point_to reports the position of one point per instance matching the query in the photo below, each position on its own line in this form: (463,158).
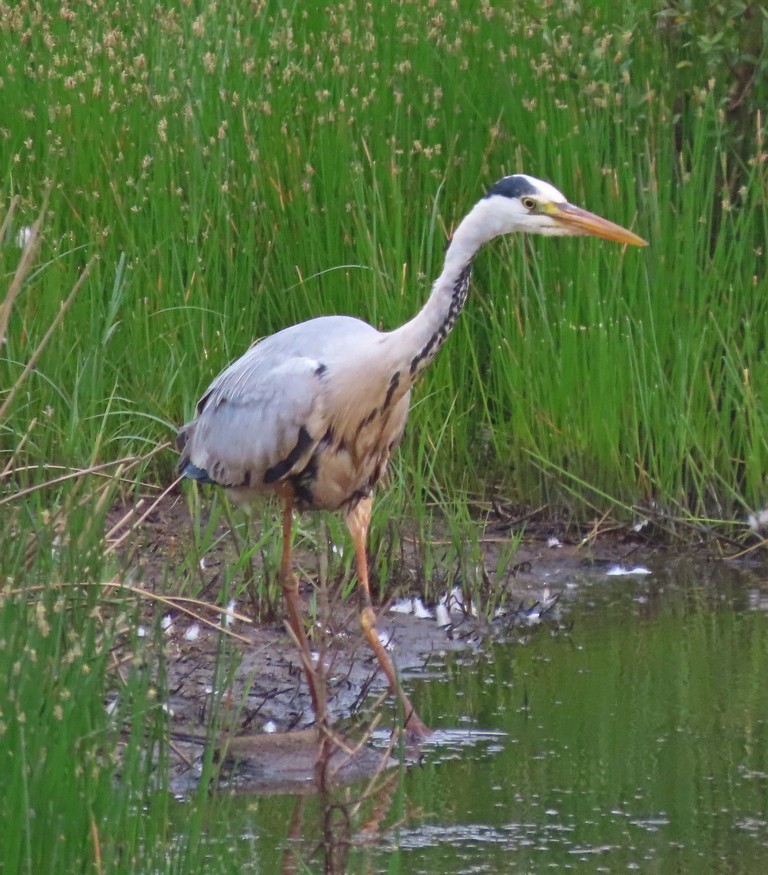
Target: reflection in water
(637,740)
(330,818)
(342,790)
(340,820)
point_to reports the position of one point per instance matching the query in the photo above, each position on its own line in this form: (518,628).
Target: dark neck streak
(430,348)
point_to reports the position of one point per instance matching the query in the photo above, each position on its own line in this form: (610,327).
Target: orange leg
(291,593)
(358,521)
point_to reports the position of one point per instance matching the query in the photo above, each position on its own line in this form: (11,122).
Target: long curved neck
(415,344)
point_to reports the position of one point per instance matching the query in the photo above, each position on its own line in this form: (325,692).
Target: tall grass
(210,173)
(251,168)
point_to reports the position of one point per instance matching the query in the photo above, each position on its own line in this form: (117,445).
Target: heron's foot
(416,730)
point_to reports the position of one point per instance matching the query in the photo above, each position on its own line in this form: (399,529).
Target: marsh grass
(201,176)
(309,163)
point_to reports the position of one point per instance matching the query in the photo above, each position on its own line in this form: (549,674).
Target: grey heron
(314,412)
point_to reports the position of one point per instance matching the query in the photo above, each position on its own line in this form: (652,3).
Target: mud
(249,674)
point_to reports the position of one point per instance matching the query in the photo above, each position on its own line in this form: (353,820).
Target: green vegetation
(206,173)
(238,170)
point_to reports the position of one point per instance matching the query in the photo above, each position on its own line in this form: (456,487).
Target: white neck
(413,346)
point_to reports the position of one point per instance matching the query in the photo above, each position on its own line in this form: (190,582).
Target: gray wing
(258,421)
(263,417)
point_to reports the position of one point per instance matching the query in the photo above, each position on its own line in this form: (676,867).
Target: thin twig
(115,544)
(33,359)
(80,472)
(9,216)
(20,446)
(178,603)
(124,519)
(27,258)
(97,858)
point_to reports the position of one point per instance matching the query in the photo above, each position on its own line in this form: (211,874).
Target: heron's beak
(580,221)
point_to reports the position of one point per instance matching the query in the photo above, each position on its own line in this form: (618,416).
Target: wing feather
(317,404)
(259,421)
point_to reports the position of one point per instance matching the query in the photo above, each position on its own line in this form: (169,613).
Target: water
(635,741)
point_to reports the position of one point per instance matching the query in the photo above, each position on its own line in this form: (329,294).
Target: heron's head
(522,203)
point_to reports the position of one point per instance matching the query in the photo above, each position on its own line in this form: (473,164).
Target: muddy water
(634,739)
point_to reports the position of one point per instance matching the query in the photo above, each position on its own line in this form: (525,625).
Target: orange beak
(580,221)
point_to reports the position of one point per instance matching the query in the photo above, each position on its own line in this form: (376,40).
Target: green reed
(260,166)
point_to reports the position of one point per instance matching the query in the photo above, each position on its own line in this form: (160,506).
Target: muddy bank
(251,672)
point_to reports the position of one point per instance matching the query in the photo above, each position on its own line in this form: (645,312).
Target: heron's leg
(358,521)
(290,587)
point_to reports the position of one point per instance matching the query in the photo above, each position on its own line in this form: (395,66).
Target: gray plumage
(302,409)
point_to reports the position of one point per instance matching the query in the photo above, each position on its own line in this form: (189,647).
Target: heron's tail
(186,465)
(193,472)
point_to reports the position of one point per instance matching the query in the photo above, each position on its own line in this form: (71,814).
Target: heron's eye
(529,203)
